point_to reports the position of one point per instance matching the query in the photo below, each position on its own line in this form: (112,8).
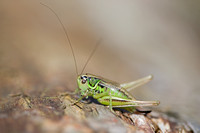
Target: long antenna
(66,34)
(97,44)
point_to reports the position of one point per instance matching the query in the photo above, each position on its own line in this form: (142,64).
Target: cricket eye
(83,81)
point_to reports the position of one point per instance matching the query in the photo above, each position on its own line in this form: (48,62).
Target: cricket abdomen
(115,91)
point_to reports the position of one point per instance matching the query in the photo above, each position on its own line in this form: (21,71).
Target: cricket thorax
(87,83)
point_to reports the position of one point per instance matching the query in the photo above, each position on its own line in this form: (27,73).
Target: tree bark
(23,113)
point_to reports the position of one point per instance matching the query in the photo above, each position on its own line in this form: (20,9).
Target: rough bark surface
(23,113)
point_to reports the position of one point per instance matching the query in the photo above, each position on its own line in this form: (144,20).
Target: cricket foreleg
(132,85)
(79,99)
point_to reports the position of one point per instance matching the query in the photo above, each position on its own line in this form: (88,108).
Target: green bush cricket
(107,92)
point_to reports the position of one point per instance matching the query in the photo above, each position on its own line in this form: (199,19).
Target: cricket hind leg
(123,103)
(132,85)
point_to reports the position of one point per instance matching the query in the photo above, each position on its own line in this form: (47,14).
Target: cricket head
(82,83)
(87,83)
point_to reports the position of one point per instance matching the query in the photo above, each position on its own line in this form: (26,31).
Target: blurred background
(139,38)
